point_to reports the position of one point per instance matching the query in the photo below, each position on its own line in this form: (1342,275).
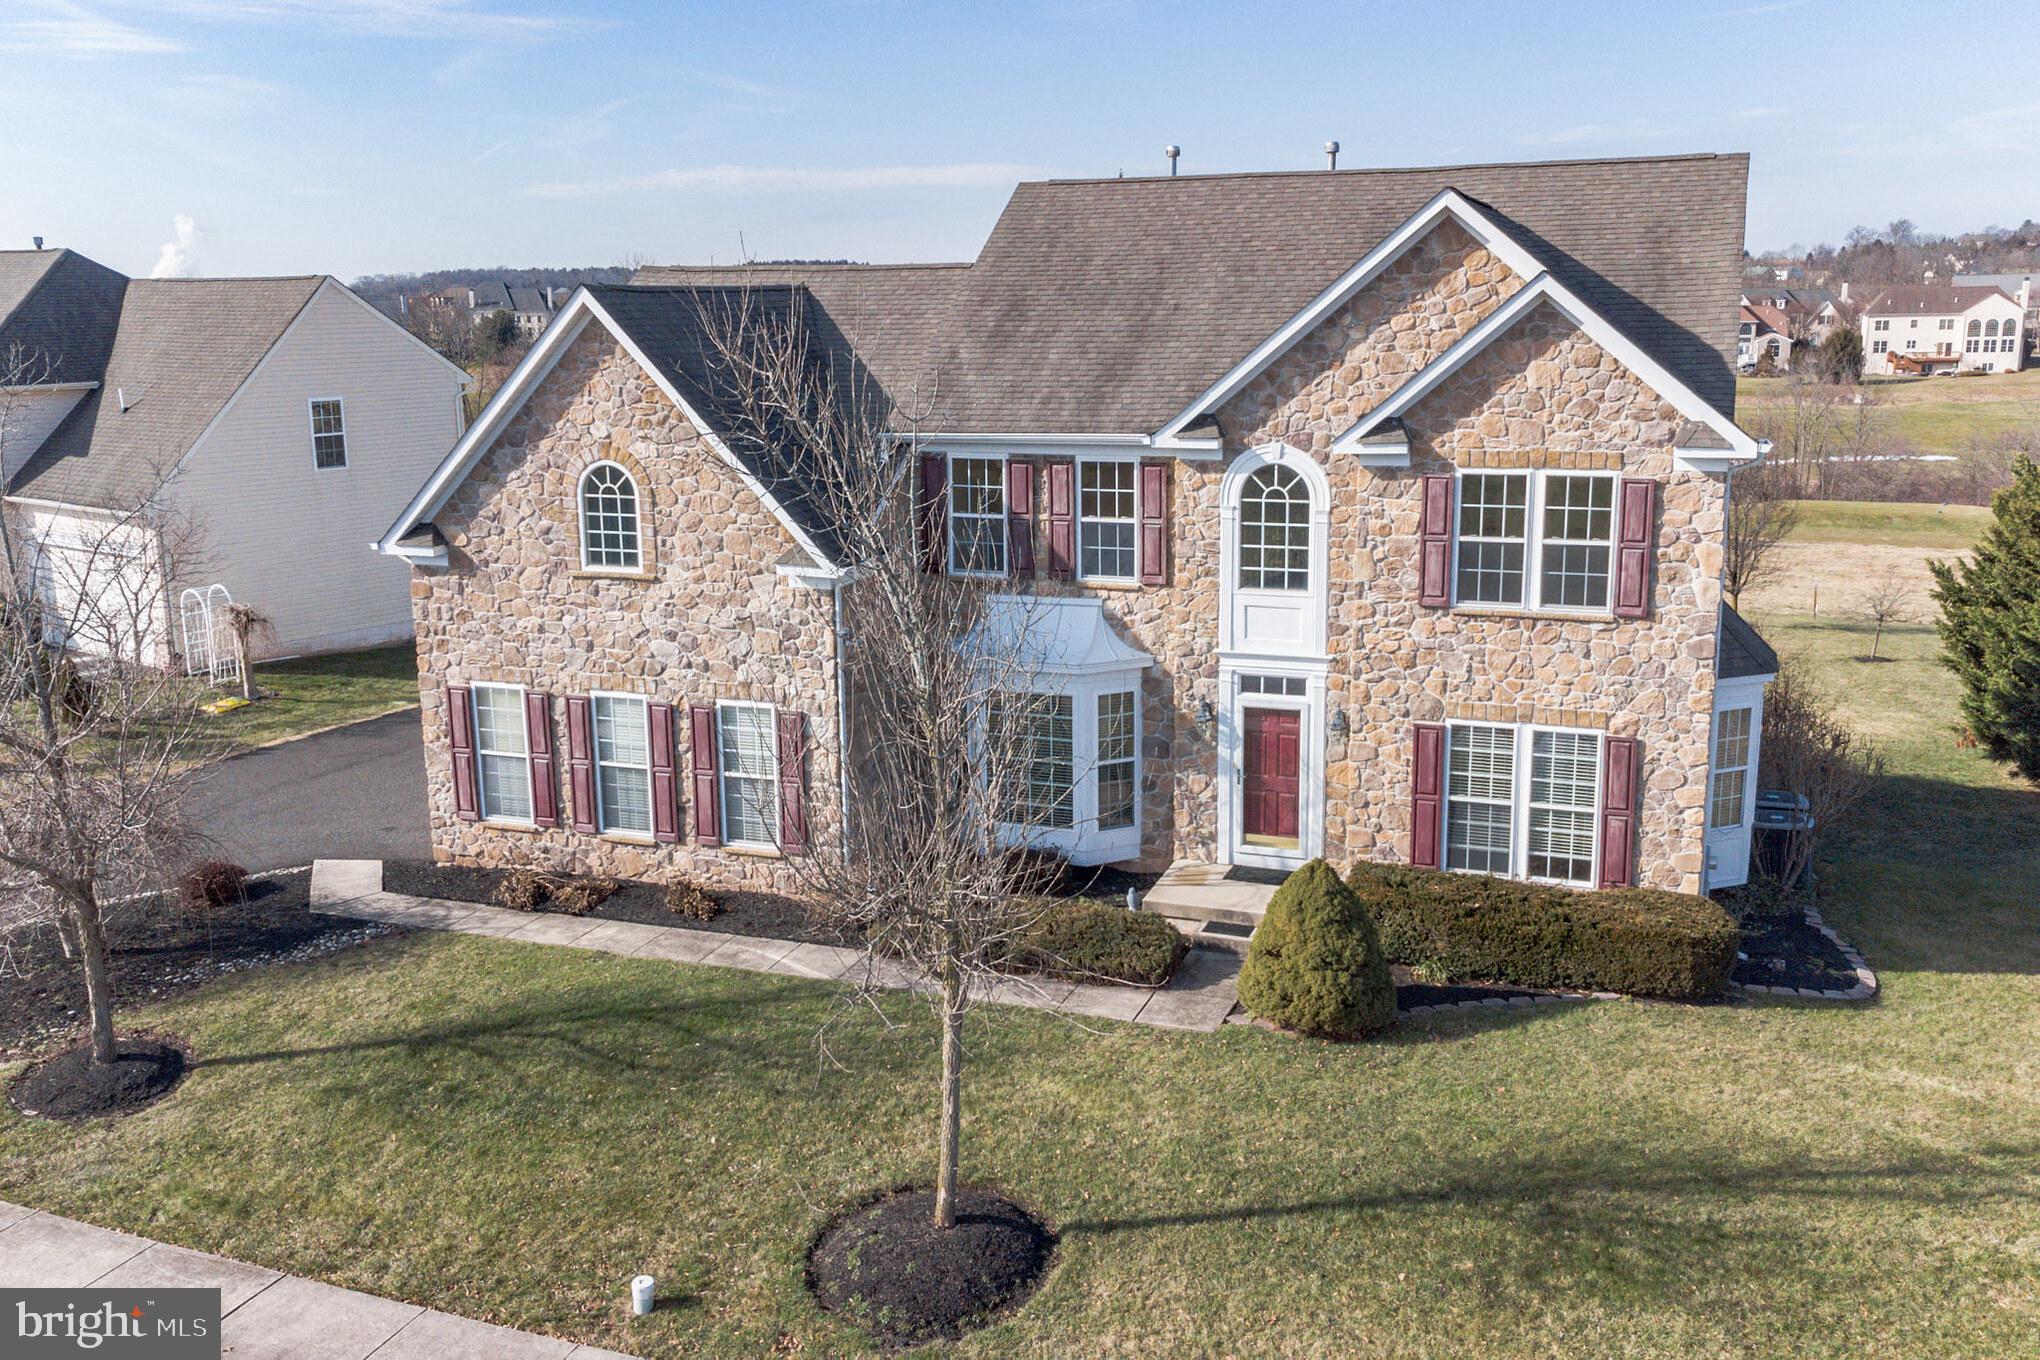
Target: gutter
(842,727)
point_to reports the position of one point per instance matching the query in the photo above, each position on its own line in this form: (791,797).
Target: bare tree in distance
(1889,602)
(952,744)
(1761,516)
(1819,429)
(98,738)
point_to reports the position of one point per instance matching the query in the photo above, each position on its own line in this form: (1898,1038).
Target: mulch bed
(743,912)
(71,1086)
(1410,992)
(1787,951)
(156,950)
(886,1267)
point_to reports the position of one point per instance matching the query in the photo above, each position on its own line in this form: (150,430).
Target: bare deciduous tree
(1819,429)
(953,747)
(247,623)
(1889,602)
(1761,515)
(98,738)
(1808,750)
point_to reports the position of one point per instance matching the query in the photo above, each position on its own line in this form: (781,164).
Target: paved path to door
(1199,997)
(267,1315)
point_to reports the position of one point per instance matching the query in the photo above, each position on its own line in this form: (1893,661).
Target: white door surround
(1235,698)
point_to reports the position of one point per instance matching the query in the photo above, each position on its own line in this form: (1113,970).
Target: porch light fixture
(1206,714)
(1339,728)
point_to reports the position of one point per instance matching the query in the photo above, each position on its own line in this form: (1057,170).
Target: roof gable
(58,311)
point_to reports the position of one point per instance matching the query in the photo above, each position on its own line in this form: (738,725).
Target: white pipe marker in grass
(641,1295)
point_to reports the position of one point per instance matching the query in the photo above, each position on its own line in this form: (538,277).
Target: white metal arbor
(210,647)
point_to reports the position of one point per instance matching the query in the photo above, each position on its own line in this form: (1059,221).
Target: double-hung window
(1540,540)
(1726,794)
(747,745)
(329,434)
(977,516)
(1034,750)
(502,753)
(623,764)
(1106,524)
(1116,766)
(1523,802)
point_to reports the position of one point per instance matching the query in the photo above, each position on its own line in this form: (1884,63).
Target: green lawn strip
(1893,523)
(323,691)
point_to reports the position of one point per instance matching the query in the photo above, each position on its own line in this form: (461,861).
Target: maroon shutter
(581,762)
(1435,563)
(1020,514)
(665,774)
(1636,526)
(1427,794)
(933,517)
(1062,519)
(1154,524)
(460,730)
(701,755)
(1619,779)
(793,828)
(545,777)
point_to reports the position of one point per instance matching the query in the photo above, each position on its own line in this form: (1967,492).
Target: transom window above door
(1275,531)
(1542,540)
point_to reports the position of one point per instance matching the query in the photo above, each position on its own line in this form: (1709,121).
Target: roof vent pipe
(120,395)
(1331,155)
(38,243)
(1172,152)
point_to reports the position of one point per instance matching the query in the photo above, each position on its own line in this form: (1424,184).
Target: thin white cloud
(1763,111)
(1590,132)
(1753,11)
(461,19)
(753,179)
(2013,128)
(222,96)
(173,261)
(73,30)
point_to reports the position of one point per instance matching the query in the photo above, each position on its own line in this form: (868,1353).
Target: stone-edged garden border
(1519,999)
(1866,981)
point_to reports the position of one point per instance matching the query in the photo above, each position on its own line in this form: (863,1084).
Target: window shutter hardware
(1062,519)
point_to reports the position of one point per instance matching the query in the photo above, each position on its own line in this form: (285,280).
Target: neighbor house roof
(1929,299)
(183,348)
(1765,315)
(490,296)
(528,300)
(58,311)
(1743,651)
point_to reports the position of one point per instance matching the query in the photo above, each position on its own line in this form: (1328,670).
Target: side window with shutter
(1635,534)
(702,774)
(1427,794)
(1434,561)
(460,731)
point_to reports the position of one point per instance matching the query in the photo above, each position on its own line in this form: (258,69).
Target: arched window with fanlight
(1275,515)
(1990,328)
(1975,326)
(610,539)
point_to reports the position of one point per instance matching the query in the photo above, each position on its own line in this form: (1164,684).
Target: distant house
(2023,288)
(532,310)
(1939,328)
(1763,332)
(285,419)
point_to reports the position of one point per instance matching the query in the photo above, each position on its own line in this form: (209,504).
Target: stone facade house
(1373,514)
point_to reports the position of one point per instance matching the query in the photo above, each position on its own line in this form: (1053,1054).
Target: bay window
(1116,759)
(1523,802)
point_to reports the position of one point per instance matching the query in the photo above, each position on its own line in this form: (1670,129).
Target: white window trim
(1519,807)
(1083,841)
(596,763)
(1077,510)
(1236,606)
(1716,769)
(637,494)
(1533,542)
(949,515)
(312,405)
(481,784)
(722,774)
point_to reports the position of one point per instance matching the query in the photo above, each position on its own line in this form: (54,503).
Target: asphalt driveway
(356,792)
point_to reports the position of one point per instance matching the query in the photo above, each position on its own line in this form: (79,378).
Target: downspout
(843,727)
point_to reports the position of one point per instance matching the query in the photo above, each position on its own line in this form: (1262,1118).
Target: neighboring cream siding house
(262,428)
(1930,328)
(257,466)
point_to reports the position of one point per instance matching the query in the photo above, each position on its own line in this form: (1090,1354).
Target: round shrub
(1315,964)
(685,897)
(209,884)
(1088,941)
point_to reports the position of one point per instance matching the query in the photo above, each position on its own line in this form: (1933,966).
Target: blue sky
(356,136)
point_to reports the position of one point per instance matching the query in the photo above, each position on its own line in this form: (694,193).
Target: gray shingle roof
(60,310)
(184,346)
(1743,649)
(528,300)
(1929,299)
(491,296)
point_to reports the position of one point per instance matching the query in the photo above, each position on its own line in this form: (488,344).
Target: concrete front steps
(1206,905)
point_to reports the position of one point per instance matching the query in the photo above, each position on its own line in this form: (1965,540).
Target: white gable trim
(1738,446)
(523,381)
(1449,203)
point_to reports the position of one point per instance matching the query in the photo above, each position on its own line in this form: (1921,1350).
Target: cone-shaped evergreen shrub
(1990,625)
(1314,963)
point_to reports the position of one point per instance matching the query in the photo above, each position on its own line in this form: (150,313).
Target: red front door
(1270,781)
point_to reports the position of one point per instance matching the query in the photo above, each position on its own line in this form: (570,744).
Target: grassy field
(1935,415)
(1888,523)
(510,1132)
(322,691)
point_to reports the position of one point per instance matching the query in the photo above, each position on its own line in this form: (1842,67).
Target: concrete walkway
(267,1315)
(1199,997)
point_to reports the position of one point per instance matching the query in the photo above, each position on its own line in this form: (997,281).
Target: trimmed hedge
(1315,964)
(1635,940)
(1085,942)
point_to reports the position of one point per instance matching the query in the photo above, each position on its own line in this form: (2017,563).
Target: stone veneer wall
(708,619)
(1542,396)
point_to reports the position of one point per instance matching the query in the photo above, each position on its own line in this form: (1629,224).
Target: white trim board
(1448,203)
(1740,446)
